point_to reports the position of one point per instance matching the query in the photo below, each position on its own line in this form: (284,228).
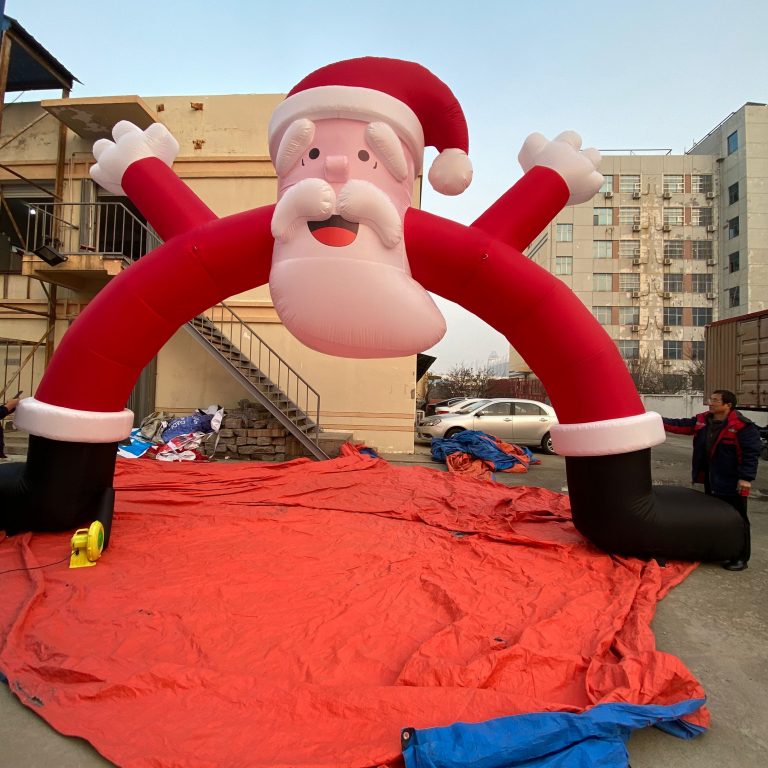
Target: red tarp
(302,614)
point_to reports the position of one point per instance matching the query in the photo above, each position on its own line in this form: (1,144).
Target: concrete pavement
(716,622)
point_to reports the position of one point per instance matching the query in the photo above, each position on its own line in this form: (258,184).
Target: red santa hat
(420,107)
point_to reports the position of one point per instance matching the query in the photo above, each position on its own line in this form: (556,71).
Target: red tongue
(334,236)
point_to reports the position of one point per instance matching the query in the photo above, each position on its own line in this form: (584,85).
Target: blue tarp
(184,425)
(479,445)
(593,739)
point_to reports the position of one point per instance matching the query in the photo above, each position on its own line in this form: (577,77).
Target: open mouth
(336,231)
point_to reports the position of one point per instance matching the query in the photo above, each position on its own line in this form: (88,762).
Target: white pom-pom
(451,172)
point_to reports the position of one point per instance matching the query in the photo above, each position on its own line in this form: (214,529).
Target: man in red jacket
(726,450)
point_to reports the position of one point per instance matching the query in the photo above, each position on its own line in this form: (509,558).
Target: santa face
(340,279)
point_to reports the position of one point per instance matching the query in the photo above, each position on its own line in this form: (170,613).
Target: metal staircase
(266,376)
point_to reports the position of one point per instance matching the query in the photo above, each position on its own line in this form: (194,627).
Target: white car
(524,422)
(453,407)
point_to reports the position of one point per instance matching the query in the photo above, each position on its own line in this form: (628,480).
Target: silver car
(525,422)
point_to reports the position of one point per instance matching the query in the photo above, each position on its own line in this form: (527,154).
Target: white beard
(355,301)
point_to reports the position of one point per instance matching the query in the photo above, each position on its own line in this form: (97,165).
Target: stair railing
(269,363)
(13,381)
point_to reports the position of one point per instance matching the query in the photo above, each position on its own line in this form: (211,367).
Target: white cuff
(603,438)
(69,425)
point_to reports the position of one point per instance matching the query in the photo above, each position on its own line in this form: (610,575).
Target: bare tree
(651,379)
(695,374)
(463,381)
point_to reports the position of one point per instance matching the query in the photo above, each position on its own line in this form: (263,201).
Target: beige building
(670,242)
(224,159)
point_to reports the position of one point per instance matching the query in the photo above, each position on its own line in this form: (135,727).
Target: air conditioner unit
(634,328)
(636,194)
(667,195)
(666,363)
(666,228)
(636,262)
(711,228)
(666,295)
(710,195)
(711,262)
(711,295)
(635,227)
(667,262)
(665,329)
(635,294)
(608,193)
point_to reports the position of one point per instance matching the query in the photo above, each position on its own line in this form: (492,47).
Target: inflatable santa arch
(343,242)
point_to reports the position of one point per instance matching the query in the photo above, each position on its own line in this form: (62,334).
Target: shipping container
(737,359)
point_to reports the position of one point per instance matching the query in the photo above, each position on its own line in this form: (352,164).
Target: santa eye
(314,153)
(363,155)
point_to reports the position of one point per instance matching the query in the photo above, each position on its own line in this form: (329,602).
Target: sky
(651,74)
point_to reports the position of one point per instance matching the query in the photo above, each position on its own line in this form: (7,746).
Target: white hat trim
(344,101)
(602,438)
(70,425)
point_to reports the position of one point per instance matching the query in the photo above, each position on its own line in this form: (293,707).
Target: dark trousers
(739,503)
(2,439)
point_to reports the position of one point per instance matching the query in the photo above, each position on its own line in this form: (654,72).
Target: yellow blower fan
(87,544)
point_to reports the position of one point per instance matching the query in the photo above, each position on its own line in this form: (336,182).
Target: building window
(673,217)
(701,283)
(733,142)
(607,184)
(673,249)
(673,350)
(673,183)
(697,350)
(565,233)
(673,282)
(733,228)
(602,281)
(602,315)
(733,297)
(602,216)
(602,249)
(701,217)
(629,349)
(629,183)
(629,315)
(563,265)
(629,249)
(629,281)
(701,183)
(733,193)
(701,249)
(700,316)
(733,261)
(673,315)
(629,215)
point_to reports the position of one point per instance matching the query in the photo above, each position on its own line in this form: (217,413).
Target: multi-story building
(670,242)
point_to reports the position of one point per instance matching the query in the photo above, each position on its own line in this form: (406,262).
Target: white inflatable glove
(130,144)
(578,168)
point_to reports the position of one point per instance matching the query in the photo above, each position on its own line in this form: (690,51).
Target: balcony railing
(108,229)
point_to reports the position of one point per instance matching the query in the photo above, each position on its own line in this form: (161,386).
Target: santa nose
(336,168)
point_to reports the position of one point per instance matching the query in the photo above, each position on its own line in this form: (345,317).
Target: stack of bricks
(250,432)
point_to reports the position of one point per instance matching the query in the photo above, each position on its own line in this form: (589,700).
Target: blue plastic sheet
(480,446)
(185,425)
(596,738)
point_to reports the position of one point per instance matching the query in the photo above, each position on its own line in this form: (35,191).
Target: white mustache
(309,200)
(315,200)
